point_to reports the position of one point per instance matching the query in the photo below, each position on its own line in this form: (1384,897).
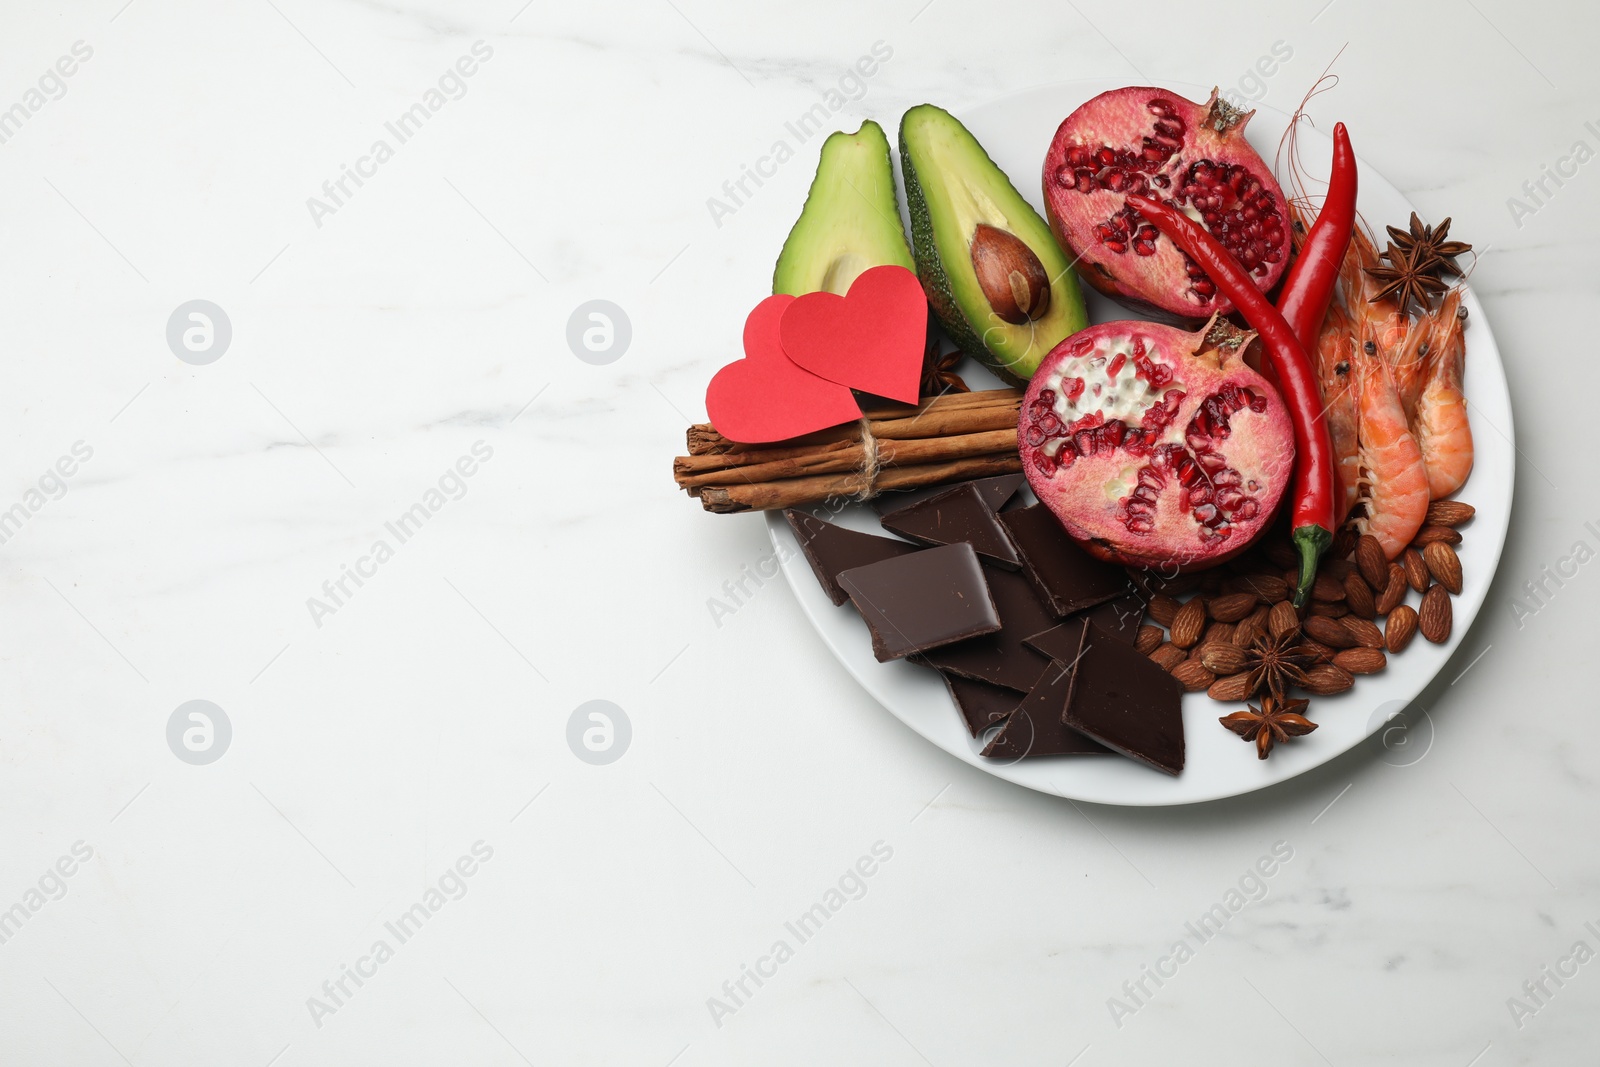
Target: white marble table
(399,770)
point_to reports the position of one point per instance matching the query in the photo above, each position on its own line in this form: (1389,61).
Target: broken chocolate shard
(959,515)
(923,601)
(996,492)
(1120,618)
(1127,702)
(981,705)
(1035,727)
(1067,577)
(1000,658)
(831,549)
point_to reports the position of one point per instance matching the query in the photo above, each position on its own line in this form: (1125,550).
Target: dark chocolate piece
(1001,659)
(919,602)
(995,491)
(1067,578)
(831,549)
(1120,618)
(981,705)
(955,516)
(1035,727)
(1126,701)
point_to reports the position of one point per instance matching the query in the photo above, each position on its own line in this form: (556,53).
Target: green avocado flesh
(851,220)
(952,186)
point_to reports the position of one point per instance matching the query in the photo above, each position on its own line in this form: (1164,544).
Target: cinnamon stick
(798,492)
(834,458)
(951,413)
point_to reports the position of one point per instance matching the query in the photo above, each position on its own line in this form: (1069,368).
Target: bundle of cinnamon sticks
(945,438)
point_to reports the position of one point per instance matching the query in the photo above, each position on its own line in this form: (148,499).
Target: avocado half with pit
(994,275)
(850,221)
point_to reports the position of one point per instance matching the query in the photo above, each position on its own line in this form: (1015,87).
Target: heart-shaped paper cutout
(764,396)
(870,339)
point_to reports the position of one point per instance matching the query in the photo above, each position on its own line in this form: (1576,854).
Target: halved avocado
(953,190)
(851,220)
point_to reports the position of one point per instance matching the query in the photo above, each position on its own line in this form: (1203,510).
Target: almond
(1330,632)
(1365,631)
(1394,593)
(1361,660)
(1444,565)
(1013,280)
(1282,619)
(1399,628)
(1280,553)
(1325,680)
(1449,513)
(1321,652)
(1188,623)
(1340,569)
(1233,688)
(1168,656)
(1416,570)
(1217,633)
(1343,543)
(1358,597)
(1327,588)
(1429,535)
(1148,639)
(1374,565)
(1231,607)
(1251,627)
(1225,659)
(1329,609)
(1269,588)
(1162,608)
(1192,676)
(1434,618)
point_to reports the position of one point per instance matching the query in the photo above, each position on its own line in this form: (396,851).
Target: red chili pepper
(1309,288)
(1312,517)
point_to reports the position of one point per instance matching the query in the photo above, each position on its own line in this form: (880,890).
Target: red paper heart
(765,397)
(871,339)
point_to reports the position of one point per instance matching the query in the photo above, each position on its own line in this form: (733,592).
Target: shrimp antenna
(1289,144)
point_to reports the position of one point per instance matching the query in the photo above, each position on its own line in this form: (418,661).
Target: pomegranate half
(1155,447)
(1151,142)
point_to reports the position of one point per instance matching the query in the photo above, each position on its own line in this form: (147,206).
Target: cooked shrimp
(1394,481)
(1440,423)
(1335,374)
(1409,361)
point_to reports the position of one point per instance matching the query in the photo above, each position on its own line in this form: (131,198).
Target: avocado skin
(878,238)
(930,269)
(1064,291)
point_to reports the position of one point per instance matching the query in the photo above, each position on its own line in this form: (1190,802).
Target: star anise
(1406,279)
(1274,722)
(1276,663)
(1427,247)
(938,372)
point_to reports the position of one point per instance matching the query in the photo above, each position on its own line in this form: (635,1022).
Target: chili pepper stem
(1312,541)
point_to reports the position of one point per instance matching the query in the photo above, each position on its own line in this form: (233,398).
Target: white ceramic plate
(1017,130)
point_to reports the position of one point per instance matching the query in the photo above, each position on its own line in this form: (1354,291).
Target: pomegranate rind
(1159,283)
(1143,502)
